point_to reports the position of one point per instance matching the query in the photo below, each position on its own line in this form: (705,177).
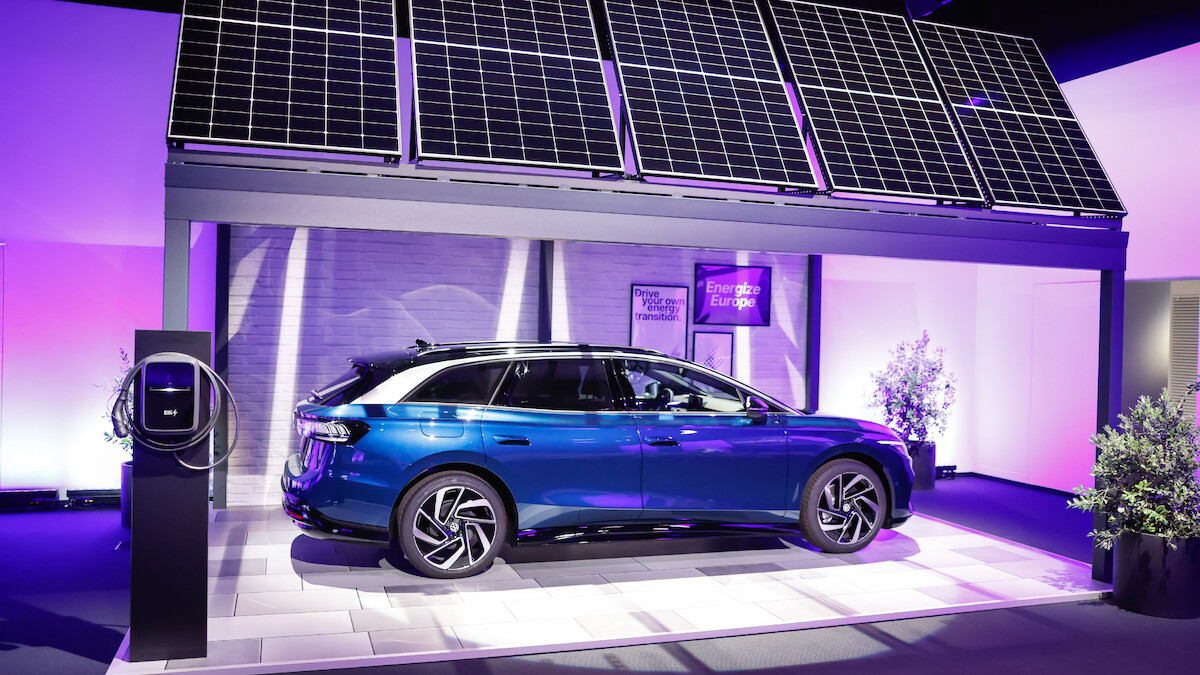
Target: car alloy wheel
(451,525)
(843,506)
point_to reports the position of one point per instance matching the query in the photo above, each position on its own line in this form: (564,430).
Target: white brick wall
(367,291)
(597,285)
(363,292)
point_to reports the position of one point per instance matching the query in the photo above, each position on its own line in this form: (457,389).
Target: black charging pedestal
(168,603)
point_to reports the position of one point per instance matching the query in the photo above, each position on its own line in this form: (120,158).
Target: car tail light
(329,431)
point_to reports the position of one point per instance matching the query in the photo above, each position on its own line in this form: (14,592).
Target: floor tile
(565,587)
(735,616)
(1019,589)
(316,647)
(762,592)
(221,604)
(373,598)
(545,570)
(565,608)
(275,625)
(255,583)
(272,537)
(653,600)
(224,653)
(994,554)
(633,624)
(414,640)
(888,602)
(895,581)
(556,631)
(398,618)
(360,579)
(720,571)
(287,564)
(976,573)
(293,602)
(806,610)
(237,567)
(961,595)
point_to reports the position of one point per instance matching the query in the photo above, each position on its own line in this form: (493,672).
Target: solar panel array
(522,82)
(877,121)
(315,74)
(1031,150)
(512,81)
(703,94)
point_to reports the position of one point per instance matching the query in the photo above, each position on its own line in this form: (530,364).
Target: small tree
(114,389)
(1146,474)
(914,390)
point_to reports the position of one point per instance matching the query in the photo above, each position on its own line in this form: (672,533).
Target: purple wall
(86,91)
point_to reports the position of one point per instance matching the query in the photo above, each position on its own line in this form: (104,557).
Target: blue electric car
(449,451)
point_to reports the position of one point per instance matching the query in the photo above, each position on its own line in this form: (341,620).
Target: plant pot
(1154,579)
(924,459)
(126,488)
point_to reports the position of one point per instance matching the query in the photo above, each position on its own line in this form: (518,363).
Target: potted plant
(915,393)
(126,444)
(1147,487)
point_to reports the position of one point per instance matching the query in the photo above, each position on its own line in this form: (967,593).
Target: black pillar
(545,290)
(1108,387)
(168,595)
(812,342)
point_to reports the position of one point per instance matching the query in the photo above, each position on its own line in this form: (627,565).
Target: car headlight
(900,447)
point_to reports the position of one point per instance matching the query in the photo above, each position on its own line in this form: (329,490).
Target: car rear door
(556,437)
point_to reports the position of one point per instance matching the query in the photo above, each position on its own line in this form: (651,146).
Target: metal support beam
(812,343)
(220,475)
(1108,386)
(545,290)
(177,244)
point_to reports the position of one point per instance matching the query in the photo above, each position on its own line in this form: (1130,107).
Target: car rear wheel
(843,506)
(451,525)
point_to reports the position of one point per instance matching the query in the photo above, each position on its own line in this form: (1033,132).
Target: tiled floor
(278,599)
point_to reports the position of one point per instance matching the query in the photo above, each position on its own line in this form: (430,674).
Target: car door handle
(661,441)
(511,440)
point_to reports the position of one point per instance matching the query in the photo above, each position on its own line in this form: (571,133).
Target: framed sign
(658,318)
(731,295)
(713,350)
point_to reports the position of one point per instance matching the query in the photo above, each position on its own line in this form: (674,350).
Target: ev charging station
(172,426)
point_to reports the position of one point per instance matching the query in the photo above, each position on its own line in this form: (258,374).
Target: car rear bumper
(319,526)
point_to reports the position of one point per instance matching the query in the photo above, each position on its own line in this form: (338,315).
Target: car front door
(704,455)
(557,438)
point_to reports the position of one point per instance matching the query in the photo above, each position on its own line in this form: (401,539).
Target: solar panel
(878,123)
(1030,148)
(703,94)
(511,81)
(304,74)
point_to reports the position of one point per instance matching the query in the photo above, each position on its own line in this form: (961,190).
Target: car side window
(669,387)
(470,384)
(561,384)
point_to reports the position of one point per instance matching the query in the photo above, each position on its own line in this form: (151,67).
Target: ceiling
(1077,37)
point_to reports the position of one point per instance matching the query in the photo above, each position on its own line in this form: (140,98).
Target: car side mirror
(757,409)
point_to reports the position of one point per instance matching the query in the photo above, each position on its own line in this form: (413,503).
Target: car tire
(451,525)
(843,506)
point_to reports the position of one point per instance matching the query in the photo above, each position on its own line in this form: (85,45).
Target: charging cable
(123,428)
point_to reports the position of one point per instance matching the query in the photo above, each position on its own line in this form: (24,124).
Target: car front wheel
(843,506)
(451,525)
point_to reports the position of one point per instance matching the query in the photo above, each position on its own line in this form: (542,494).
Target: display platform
(280,601)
